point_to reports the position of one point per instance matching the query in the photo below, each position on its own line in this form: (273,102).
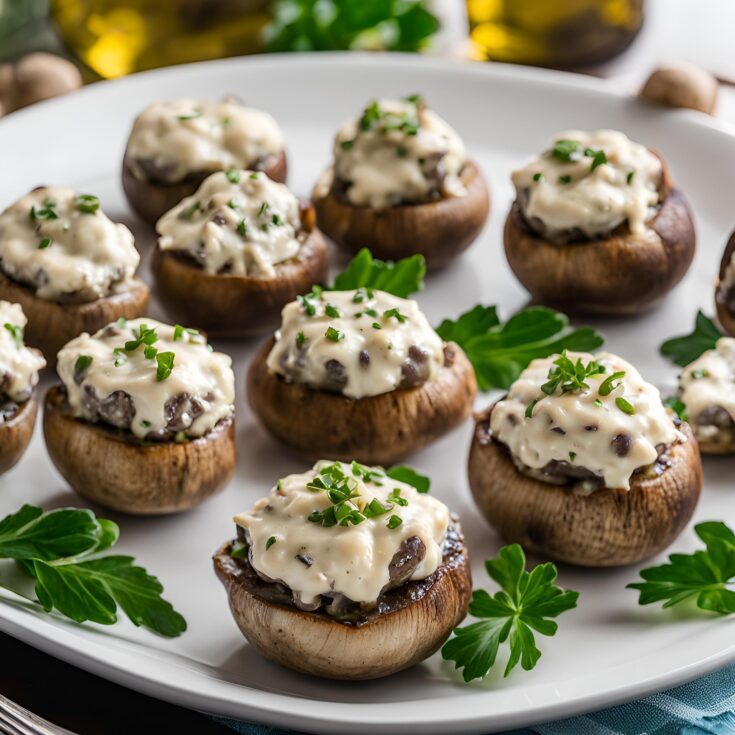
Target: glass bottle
(118,37)
(558,33)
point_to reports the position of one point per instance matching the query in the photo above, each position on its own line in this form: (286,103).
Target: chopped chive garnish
(16,332)
(87,203)
(334,334)
(165,363)
(624,406)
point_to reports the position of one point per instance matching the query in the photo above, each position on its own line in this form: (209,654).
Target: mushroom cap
(681,84)
(726,319)
(114,469)
(51,324)
(227,305)
(440,230)
(723,446)
(39,76)
(608,527)
(314,643)
(151,200)
(624,273)
(16,433)
(373,430)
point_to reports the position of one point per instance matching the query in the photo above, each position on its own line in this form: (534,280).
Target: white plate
(607,650)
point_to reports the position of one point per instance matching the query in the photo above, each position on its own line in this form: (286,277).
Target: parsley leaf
(401,278)
(499,351)
(706,575)
(402,473)
(60,549)
(687,348)
(92,590)
(524,603)
(392,25)
(16,332)
(677,406)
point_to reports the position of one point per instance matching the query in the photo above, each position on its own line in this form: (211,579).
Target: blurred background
(104,39)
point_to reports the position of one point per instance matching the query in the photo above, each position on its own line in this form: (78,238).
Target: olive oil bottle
(118,37)
(558,33)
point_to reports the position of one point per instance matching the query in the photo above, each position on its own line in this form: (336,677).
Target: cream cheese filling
(707,389)
(353,560)
(175,138)
(62,244)
(612,434)
(590,182)
(359,343)
(120,359)
(238,222)
(19,365)
(397,152)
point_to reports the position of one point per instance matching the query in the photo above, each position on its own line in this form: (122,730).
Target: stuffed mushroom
(359,374)
(19,366)
(707,390)
(143,421)
(597,227)
(401,183)
(233,254)
(175,145)
(725,288)
(581,462)
(344,573)
(68,265)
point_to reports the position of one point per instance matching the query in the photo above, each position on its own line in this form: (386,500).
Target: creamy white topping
(50,240)
(238,221)
(19,365)
(396,152)
(585,194)
(197,393)
(358,343)
(707,389)
(602,433)
(173,139)
(352,560)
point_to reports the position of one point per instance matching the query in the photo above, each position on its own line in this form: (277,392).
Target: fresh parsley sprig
(348,508)
(707,575)
(687,348)
(677,406)
(525,602)
(570,376)
(400,278)
(499,351)
(391,25)
(60,550)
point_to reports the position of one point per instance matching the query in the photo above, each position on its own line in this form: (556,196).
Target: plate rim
(50,638)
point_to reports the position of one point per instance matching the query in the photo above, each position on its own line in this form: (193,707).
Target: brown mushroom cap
(439,230)
(151,199)
(723,445)
(112,468)
(51,324)
(373,430)
(725,317)
(608,527)
(16,433)
(624,273)
(314,643)
(236,306)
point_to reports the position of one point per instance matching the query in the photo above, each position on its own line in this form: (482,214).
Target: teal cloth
(701,707)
